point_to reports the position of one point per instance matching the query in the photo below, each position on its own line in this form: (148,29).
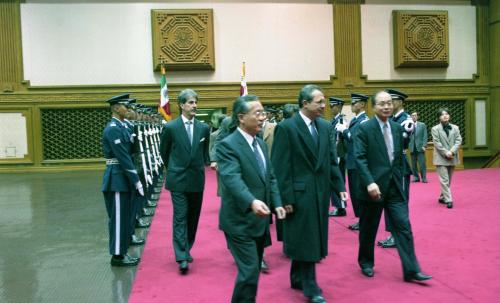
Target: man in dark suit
(358,105)
(307,173)
(379,158)
(249,191)
(184,150)
(340,149)
(418,142)
(120,182)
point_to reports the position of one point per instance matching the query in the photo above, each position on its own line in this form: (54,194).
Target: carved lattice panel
(421,38)
(73,133)
(183,39)
(427,113)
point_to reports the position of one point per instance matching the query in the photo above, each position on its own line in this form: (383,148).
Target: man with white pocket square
(184,150)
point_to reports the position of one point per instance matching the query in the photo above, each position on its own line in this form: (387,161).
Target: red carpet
(460,247)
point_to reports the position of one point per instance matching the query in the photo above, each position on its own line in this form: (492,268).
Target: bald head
(382,105)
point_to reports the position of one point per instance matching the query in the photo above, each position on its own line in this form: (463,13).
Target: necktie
(388,143)
(188,129)
(258,157)
(314,132)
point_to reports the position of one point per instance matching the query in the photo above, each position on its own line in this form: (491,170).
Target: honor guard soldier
(358,106)
(120,182)
(340,149)
(404,119)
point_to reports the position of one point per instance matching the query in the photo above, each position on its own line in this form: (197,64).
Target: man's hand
(139,188)
(344,196)
(213,165)
(449,155)
(289,208)
(260,208)
(280,212)
(374,191)
(423,149)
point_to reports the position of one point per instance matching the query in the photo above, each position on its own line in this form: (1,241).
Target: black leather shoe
(296,285)
(317,299)
(150,204)
(367,271)
(441,200)
(354,226)
(417,277)
(389,242)
(125,260)
(449,204)
(264,268)
(137,241)
(147,212)
(424,181)
(183,267)
(339,212)
(139,223)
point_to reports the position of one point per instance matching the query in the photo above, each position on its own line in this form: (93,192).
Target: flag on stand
(164,106)
(243,86)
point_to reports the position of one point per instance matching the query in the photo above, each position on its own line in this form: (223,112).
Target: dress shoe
(441,200)
(183,267)
(354,226)
(147,212)
(317,299)
(449,204)
(264,268)
(417,277)
(151,204)
(139,223)
(388,243)
(367,271)
(424,181)
(296,285)
(415,180)
(339,212)
(137,241)
(124,260)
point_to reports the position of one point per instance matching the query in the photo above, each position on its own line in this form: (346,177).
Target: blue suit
(118,184)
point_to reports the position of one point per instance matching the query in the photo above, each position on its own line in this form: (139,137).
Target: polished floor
(53,235)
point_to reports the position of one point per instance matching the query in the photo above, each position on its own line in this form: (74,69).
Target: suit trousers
(119,209)
(353,178)
(445,173)
(247,253)
(187,208)
(406,188)
(396,208)
(335,198)
(418,157)
(303,274)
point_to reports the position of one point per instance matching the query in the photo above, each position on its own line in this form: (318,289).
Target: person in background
(418,142)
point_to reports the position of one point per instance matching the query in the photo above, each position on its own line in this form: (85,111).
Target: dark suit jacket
(372,159)
(349,135)
(185,162)
(242,183)
(419,138)
(307,174)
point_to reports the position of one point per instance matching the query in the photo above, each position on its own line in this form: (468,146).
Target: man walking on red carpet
(184,150)
(379,158)
(249,190)
(307,172)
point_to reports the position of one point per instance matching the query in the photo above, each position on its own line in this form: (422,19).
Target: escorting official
(120,182)
(379,157)
(403,118)
(418,142)
(340,149)
(358,106)
(184,150)
(447,141)
(307,173)
(249,191)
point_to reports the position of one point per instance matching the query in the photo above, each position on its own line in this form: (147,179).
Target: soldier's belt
(112,161)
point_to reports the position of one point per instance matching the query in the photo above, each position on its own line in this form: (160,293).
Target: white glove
(408,125)
(149,179)
(341,127)
(139,188)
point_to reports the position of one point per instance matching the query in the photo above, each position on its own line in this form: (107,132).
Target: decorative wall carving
(420,38)
(183,39)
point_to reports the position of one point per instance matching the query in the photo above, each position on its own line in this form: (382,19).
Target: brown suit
(268,135)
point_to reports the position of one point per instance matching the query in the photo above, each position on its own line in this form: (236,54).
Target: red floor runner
(460,247)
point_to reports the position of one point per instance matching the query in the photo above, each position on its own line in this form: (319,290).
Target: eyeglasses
(259,114)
